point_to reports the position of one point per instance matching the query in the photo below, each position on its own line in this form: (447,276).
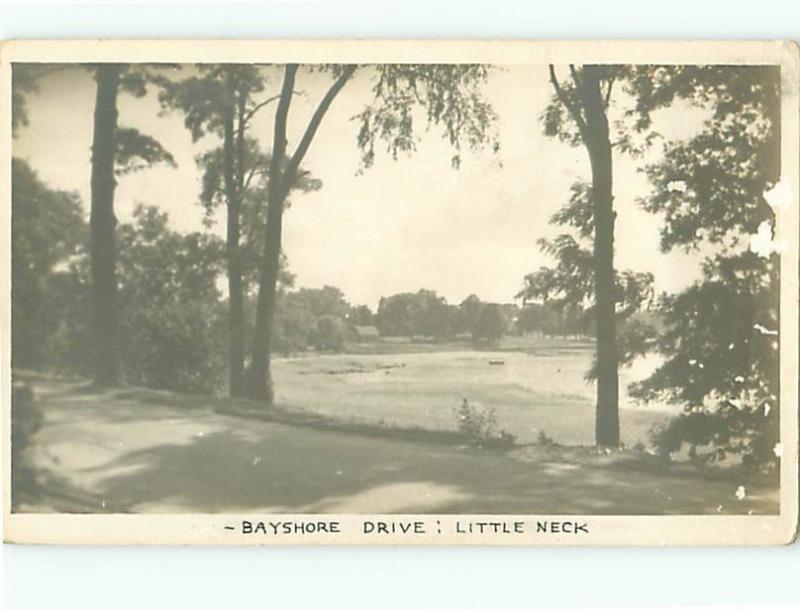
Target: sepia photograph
(406,292)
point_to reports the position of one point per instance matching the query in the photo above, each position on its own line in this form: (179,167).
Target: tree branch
(249,177)
(279,138)
(254,171)
(575,76)
(266,102)
(250,113)
(608,91)
(302,148)
(574,111)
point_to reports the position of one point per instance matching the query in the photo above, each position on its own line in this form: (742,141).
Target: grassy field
(534,385)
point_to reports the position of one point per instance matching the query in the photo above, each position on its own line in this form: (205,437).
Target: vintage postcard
(400,292)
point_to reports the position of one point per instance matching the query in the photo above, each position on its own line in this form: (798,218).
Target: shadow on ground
(126,455)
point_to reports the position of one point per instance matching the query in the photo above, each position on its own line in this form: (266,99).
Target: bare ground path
(118,452)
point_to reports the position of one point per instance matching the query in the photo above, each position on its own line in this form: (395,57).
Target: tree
(23,81)
(115,151)
(396,315)
(328,300)
(311,317)
(422,313)
(491,324)
(530,318)
(223,100)
(449,97)
(293,325)
(720,342)
(48,230)
(281,180)
(171,312)
(586,100)
(103,223)
(329,333)
(360,315)
(567,290)
(469,310)
(431,315)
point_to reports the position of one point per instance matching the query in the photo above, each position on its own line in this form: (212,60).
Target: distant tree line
(426,315)
(555,319)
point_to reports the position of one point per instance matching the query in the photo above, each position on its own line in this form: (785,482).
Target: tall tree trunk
(259,378)
(103,224)
(233,196)
(598,144)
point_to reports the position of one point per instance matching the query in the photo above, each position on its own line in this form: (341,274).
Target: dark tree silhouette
(281,180)
(48,228)
(721,342)
(587,100)
(102,225)
(223,99)
(114,151)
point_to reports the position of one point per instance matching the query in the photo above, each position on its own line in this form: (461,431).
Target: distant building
(367,333)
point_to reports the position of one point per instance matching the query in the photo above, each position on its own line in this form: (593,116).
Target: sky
(400,225)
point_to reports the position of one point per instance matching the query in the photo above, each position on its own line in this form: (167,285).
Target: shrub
(329,334)
(474,422)
(480,425)
(746,435)
(26,419)
(179,347)
(544,440)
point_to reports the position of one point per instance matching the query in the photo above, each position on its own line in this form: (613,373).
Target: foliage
(328,300)
(569,285)
(720,344)
(448,96)
(329,334)
(360,315)
(170,306)
(491,324)
(67,297)
(736,157)
(136,151)
(426,314)
(479,425)
(48,229)
(554,318)
(469,310)
(476,423)
(291,332)
(24,79)
(544,440)
(172,317)
(202,95)
(409,314)
(630,127)
(714,435)
(311,317)
(26,420)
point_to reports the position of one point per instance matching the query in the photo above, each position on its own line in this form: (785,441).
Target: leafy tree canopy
(448,96)
(721,340)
